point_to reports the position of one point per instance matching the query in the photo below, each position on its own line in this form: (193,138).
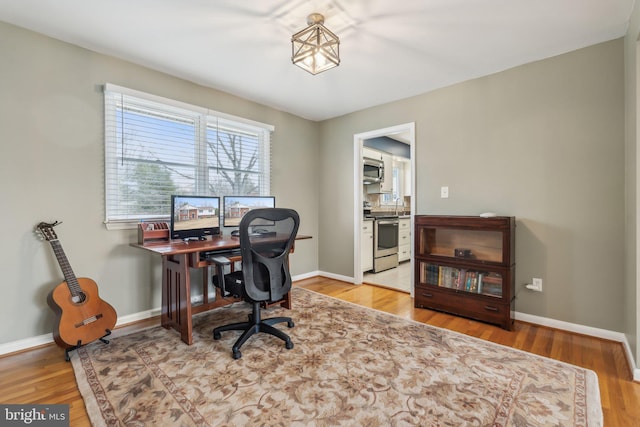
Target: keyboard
(204,255)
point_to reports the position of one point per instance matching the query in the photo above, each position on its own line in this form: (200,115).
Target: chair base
(253,326)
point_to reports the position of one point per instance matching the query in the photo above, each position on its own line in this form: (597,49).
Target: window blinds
(156,147)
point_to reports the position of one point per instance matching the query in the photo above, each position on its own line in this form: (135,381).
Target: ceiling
(390,50)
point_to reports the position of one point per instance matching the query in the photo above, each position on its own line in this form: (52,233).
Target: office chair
(266,238)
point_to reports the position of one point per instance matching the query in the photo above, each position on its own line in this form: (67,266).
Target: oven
(385,243)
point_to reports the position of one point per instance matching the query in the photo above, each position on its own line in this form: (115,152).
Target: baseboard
(336,276)
(571,327)
(32,342)
(586,330)
(305,276)
(28,343)
(556,324)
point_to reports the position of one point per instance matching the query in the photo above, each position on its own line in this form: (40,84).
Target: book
(432,274)
(480,280)
(462,277)
(472,281)
(454,277)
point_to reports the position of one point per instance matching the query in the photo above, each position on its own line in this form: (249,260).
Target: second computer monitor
(235,207)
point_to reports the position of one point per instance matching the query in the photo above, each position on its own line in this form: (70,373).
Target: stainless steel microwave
(373,170)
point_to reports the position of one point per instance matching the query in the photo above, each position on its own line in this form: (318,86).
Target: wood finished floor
(42,376)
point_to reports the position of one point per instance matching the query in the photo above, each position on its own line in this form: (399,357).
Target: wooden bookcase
(465,265)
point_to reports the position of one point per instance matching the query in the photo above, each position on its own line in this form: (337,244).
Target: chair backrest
(266,238)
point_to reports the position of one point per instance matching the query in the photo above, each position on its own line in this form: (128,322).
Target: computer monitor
(194,217)
(235,207)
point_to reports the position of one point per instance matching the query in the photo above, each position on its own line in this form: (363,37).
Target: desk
(177,259)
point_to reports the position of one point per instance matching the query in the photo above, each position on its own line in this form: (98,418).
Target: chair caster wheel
(290,324)
(288,345)
(216,335)
(237,354)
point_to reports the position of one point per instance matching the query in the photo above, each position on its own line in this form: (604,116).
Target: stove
(385,242)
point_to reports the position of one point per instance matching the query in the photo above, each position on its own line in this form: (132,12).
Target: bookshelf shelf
(466,266)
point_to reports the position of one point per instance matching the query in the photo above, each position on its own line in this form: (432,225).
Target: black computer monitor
(235,207)
(194,217)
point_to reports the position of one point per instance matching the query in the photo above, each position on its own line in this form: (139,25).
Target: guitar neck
(67,271)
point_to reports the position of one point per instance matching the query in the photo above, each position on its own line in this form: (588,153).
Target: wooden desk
(177,259)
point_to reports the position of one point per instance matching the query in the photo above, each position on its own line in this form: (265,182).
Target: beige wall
(543,142)
(632,95)
(51,168)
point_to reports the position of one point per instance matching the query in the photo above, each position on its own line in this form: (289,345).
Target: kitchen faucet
(397,199)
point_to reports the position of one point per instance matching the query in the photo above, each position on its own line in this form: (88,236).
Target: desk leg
(176,296)
(287,301)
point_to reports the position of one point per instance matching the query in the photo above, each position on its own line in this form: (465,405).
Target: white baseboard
(305,276)
(24,344)
(27,343)
(336,276)
(586,330)
(571,327)
(557,324)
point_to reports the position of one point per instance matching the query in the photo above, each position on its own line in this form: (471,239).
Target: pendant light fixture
(315,49)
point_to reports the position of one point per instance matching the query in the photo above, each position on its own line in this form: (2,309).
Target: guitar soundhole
(79,299)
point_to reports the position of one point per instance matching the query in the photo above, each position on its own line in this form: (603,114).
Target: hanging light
(315,49)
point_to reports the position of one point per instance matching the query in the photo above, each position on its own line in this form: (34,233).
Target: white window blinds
(156,147)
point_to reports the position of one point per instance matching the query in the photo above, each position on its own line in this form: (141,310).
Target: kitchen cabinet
(366,245)
(386,186)
(404,239)
(371,153)
(466,266)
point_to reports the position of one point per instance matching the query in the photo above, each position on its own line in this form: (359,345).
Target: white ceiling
(390,50)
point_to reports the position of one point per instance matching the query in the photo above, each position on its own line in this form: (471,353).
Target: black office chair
(266,238)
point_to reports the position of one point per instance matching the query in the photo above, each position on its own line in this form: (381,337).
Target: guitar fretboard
(69,276)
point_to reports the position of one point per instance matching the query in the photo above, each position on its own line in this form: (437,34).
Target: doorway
(404,133)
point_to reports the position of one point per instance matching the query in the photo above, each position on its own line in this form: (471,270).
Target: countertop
(372,217)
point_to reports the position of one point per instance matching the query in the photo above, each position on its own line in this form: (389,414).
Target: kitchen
(386,213)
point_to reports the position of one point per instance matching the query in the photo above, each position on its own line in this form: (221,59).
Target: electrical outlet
(444,192)
(537,284)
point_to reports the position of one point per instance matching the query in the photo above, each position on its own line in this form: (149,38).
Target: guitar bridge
(88,320)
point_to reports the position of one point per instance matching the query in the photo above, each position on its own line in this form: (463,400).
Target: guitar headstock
(46,230)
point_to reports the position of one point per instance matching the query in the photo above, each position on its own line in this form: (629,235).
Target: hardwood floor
(42,376)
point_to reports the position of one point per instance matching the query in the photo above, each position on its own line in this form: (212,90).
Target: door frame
(408,129)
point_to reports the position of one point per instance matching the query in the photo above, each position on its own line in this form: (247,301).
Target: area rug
(350,366)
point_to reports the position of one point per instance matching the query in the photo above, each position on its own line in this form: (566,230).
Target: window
(396,192)
(155,147)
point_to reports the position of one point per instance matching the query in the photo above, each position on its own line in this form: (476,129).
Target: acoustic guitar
(81,316)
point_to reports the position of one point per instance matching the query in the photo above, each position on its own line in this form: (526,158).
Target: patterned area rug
(350,366)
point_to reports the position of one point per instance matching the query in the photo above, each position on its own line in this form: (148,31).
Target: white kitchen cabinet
(371,153)
(404,239)
(386,186)
(366,245)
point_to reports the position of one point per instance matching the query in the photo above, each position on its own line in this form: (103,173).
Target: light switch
(444,192)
